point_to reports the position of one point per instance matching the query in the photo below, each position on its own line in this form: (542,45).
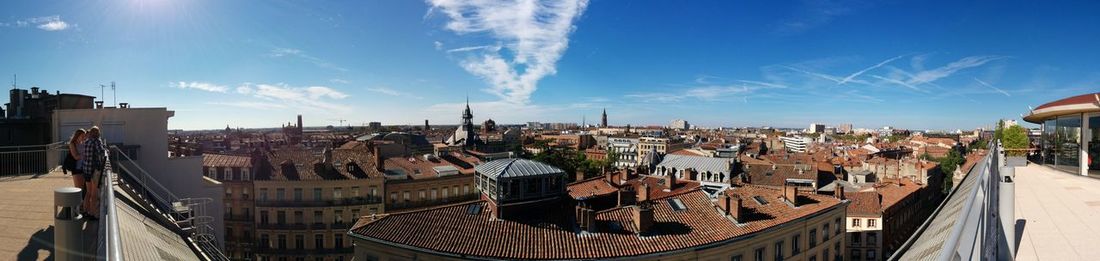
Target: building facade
(1070,139)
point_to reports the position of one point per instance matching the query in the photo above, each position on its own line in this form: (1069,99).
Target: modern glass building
(1071,133)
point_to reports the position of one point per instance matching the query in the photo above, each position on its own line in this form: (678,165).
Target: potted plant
(1015,142)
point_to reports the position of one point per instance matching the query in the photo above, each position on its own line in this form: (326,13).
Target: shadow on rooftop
(40,240)
(1020,225)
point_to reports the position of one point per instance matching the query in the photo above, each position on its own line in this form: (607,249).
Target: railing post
(1007,207)
(67,226)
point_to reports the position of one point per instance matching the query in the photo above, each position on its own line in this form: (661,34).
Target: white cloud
(392,92)
(252,105)
(47,23)
(928,76)
(535,33)
(741,89)
(438,45)
(983,83)
(340,81)
(54,26)
(852,76)
(491,48)
(205,86)
(291,52)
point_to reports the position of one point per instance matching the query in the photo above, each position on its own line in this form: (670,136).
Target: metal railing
(31,159)
(110,247)
(189,214)
(966,225)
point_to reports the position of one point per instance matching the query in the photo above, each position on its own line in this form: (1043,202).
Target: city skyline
(719,64)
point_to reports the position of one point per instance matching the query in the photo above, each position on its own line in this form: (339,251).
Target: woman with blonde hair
(72,159)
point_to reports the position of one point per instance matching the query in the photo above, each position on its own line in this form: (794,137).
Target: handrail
(110,245)
(974,233)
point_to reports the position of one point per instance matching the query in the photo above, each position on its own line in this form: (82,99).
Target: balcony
(238,218)
(284,226)
(1053,218)
(399,205)
(354,201)
(304,252)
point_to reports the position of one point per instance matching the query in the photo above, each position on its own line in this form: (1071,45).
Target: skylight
(676,204)
(760,200)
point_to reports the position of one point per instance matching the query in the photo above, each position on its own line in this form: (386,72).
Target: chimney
(790,193)
(610,176)
(299,121)
(643,217)
(99,104)
(580,175)
(625,175)
(124,105)
(379,163)
(327,154)
(671,180)
(643,193)
(731,206)
(627,196)
(839,192)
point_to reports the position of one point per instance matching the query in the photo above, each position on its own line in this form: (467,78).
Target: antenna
(114,94)
(101,95)
(14,80)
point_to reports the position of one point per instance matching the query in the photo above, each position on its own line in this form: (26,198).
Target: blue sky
(908,64)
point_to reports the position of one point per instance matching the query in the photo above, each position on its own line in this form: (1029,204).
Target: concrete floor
(1058,213)
(26,217)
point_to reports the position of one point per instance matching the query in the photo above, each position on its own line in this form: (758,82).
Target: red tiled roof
(231,161)
(1079,99)
(864,204)
(892,193)
(451,230)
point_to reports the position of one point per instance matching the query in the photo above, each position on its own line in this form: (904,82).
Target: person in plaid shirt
(95,161)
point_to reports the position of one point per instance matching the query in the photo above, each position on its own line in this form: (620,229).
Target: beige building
(429,180)
(235,174)
(306,200)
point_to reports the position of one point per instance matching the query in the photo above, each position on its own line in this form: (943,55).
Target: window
(354,192)
(465,189)
(338,241)
(813,238)
(795,244)
(247,235)
(837,226)
(297,194)
(211,172)
(318,241)
(354,214)
(856,253)
(779,251)
(337,194)
(263,217)
(373,191)
(227,173)
(454,190)
(872,238)
(263,194)
(280,217)
(317,194)
(435,194)
(871,222)
(245,175)
(758,254)
(813,258)
(393,197)
(825,255)
(871,254)
(228,211)
(228,192)
(280,194)
(444,190)
(339,216)
(825,232)
(265,242)
(318,217)
(282,241)
(299,242)
(855,222)
(299,218)
(244,193)
(856,237)
(423,194)
(406,197)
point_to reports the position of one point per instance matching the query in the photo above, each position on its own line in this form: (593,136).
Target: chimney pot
(643,193)
(839,192)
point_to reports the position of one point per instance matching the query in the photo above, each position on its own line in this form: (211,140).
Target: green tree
(1015,140)
(998,133)
(948,165)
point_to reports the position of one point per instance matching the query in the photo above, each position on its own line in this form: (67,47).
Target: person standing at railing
(94,160)
(72,161)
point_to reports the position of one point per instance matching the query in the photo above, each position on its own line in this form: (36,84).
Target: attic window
(473,209)
(760,200)
(676,204)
